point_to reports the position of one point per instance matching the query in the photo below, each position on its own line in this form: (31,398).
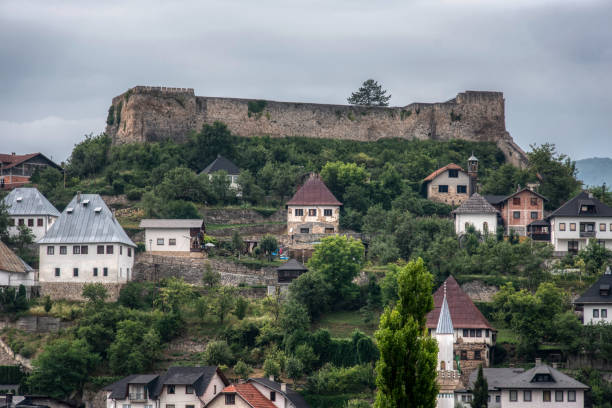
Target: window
(463,354)
(21,221)
(75,271)
(516,201)
(516,215)
(596,313)
(125,405)
(461,189)
(572,246)
(571,396)
(304,230)
(129,251)
(39,222)
(172,241)
(327,212)
(95,272)
(485,227)
(230,399)
(57,271)
(120,250)
(513,395)
(63,250)
(105,271)
(312,212)
(215,389)
(329,230)
(272,396)
(558,396)
(442,365)
(466,333)
(602,227)
(472,332)
(561,226)
(604,313)
(188,390)
(486,332)
(76,250)
(453,173)
(601,243)
(169,405)
(534,201)
(84,249)
(526,395)
(100,249)
(442,189)
(299,212)
(30,222)
(572,226)
(534,215)
(189,406)
(497,398)
(546,396)
(148,406)
(170,391)
(11,222)
(160,241)
(50,250)
(587,226)
(109,249)
(478,332)
(477,355)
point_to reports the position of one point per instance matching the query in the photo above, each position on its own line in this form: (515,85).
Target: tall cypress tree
(406,371)
(481,391)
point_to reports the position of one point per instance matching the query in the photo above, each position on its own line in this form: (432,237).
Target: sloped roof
(572,207)
(495,377)
(495,199)
(445,323)
(476,204)
(83,224)
(561,381)
(295,397)
(451,166)
(528,190)
(292,265)
(29,201)
(313,192)
(464,313)
(119,389)
(12,160)
(10,262)
(171,223)
(221,163)
(593,294)
(250,394)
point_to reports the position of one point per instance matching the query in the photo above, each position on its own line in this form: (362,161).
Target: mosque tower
(448,377)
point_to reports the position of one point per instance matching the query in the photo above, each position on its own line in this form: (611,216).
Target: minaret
(448,377)
(473,173)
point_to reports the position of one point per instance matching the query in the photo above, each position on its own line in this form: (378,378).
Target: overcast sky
(61,62)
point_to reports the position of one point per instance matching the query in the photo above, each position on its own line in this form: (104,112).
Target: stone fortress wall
(145,114)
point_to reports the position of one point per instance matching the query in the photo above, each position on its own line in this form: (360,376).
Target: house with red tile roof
(16,169)
(313,209)
(451,184)
(240,396)
(474,337)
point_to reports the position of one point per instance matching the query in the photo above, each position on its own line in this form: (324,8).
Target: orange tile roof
(451,166)
(10,160)
(250,394)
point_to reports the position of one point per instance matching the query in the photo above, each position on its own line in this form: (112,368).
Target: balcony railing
(587,234)
(539,236)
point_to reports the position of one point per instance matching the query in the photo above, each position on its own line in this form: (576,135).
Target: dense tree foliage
(370,94)
(480,391)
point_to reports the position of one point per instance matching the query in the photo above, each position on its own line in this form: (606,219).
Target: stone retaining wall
(36,324)
(240,216)
(73,290)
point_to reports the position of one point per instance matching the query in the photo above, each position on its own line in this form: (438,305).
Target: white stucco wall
(588,314)
(180,398)
(281,401)
(445,351)
(119,264)
(15,278)
(220,403)
(537,400)
(183,240)
(216,384)
(560,238)
(477,220)
(38,232)
(445,400)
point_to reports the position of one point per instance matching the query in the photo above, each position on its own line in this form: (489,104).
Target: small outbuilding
(286,274)
(170,235)
(13,270)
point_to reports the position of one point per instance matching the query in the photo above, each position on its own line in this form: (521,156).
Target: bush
(217,353)
(28,350)
(135,194)
(337,380)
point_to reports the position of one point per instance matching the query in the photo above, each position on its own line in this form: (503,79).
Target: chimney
(78,196)
(271,378)
(555,365)
(538,362)
(284,387)
(13,153)
(590,195)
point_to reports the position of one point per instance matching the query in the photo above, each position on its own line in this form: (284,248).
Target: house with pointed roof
(29,207)
(475,212)
(579,220)
(16,169)
(519,210)
(451,184)
(241,396)
(226,165)
(173,236)
(596,302)
(313,209)
(85,245)
(179,387)
(474,337)
(280,394)
(13,270)
(286,273)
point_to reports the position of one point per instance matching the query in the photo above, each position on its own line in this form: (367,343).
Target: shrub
(217,353)
(337,380)
(135,194)
(28,350)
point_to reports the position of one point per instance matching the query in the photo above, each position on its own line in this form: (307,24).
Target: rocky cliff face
(156,113)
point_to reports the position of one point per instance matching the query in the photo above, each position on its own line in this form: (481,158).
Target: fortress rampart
(146,113)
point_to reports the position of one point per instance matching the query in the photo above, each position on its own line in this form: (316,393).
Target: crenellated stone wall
(144,114)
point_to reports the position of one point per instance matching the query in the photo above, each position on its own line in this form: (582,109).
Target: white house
(27,206)
(596,302)
(495,378)
(13,270)
(577,221)
(223,164)
(476,212)
(85,245)
(279,394)
(168,235)
(179,387)
(313,209)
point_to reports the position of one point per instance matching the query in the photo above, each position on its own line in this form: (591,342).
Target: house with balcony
(519,210)
(313,209)
(179,387)
(178,236)
(579,220)
(596,302)
(29,207)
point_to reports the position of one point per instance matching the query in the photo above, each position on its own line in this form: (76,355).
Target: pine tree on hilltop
(481,391)
(370,94)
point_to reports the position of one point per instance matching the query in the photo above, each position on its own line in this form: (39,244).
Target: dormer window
(69,210)
(543,377)
(604,290)
(19,199)
(587,209)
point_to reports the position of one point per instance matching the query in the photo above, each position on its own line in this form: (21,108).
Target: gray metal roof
(295,397)
(496,377)
(527,380)
(170,223)
(86,220)
(29,201)
(445,323)
(476,204)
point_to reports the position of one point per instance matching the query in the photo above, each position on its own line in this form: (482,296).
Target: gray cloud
(63,61)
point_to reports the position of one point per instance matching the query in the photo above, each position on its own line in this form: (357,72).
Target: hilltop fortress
(146,114)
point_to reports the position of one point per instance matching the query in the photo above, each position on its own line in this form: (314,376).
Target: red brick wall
(525,208)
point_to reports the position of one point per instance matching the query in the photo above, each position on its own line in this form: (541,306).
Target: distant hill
(595,171)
